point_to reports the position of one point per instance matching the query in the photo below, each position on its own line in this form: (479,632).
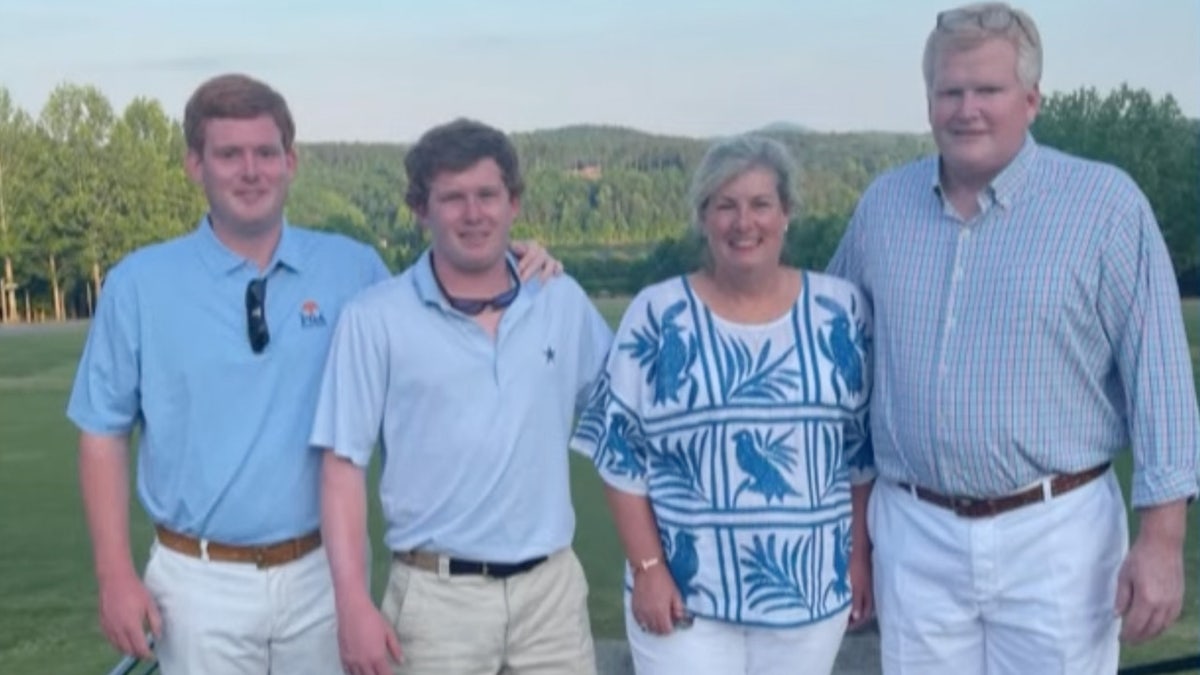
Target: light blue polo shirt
(474,430)
(223,445)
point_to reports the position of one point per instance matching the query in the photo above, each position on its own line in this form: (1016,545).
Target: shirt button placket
(956,276)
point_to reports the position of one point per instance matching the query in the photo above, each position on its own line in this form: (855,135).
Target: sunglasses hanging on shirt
(256,315)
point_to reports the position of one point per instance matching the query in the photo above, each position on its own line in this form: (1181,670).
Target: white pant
(720,648)
(1029,591)
(235,619)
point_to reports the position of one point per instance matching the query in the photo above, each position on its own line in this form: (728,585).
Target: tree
(78,121)
(1148,138)
(152,198)
(16,130)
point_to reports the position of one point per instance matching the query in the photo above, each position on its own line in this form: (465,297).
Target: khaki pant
(535,623)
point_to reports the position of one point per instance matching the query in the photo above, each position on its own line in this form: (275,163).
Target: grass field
(47,594)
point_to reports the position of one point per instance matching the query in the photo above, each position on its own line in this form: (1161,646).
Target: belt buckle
(964,507)
(260,557)
(484,570)
(443,566)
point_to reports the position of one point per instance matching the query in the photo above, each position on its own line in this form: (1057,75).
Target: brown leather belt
(447,566)
(267,555)
(969,507)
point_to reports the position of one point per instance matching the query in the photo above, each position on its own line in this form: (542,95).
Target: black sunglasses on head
(256,315)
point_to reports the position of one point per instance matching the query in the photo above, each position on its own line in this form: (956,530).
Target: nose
(473,209)
(969,105)
(250,168)
(741,216)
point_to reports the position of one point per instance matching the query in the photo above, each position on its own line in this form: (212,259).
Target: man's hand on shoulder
(533,259)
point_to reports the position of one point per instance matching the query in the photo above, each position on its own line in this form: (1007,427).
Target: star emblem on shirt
(549,354)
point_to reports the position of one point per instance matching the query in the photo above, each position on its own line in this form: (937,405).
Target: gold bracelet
(644,564)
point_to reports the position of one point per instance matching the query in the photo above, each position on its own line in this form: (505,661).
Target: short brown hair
(239,97)
(457,146)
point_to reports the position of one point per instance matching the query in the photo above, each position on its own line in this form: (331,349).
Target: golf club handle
(127,663)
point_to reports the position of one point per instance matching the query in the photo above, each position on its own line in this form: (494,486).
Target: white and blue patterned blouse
(745,438)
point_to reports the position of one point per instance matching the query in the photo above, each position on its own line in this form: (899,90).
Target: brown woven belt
(969,507)
(267,555)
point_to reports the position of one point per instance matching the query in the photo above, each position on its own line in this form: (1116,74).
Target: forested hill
(585,185)
(82,184)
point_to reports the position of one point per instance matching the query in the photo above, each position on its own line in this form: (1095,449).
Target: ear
(1033,103)
(291,160)
(515,202)
(420,212)
(193,164)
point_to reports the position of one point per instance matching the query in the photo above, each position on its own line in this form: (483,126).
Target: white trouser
(236,619)
(711,647)
(1031,590)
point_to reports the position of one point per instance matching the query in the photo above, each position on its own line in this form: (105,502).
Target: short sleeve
(610,427)
(858,450)
(353,387)
(595,341)
(106,395)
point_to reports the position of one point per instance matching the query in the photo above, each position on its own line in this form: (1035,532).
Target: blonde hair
(729,158)
(966,27)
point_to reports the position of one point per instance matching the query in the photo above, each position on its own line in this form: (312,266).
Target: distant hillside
(586,185)
(784,128)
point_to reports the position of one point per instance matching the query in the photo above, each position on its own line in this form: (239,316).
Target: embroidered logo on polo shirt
(549,354)
(310,315)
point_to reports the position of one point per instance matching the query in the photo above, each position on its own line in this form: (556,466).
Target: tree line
(82,184)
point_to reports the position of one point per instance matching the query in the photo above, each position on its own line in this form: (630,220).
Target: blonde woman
(729,427)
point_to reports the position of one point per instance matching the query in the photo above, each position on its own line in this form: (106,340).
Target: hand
(656,602)
(366,641)
(1150,587)
(125,607)
(862,592)
(533,259)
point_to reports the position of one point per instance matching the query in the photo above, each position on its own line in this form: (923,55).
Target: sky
(386,70)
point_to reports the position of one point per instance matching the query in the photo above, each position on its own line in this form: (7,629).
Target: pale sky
(385,70)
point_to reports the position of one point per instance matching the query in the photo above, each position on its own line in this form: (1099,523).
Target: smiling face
(469,214)
(744,223)
(979,111)
(245,171)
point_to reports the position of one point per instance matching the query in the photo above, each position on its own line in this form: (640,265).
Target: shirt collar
(222,261)
(1006,185)
(426,285)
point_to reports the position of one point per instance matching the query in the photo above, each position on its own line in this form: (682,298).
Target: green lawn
(47,594)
